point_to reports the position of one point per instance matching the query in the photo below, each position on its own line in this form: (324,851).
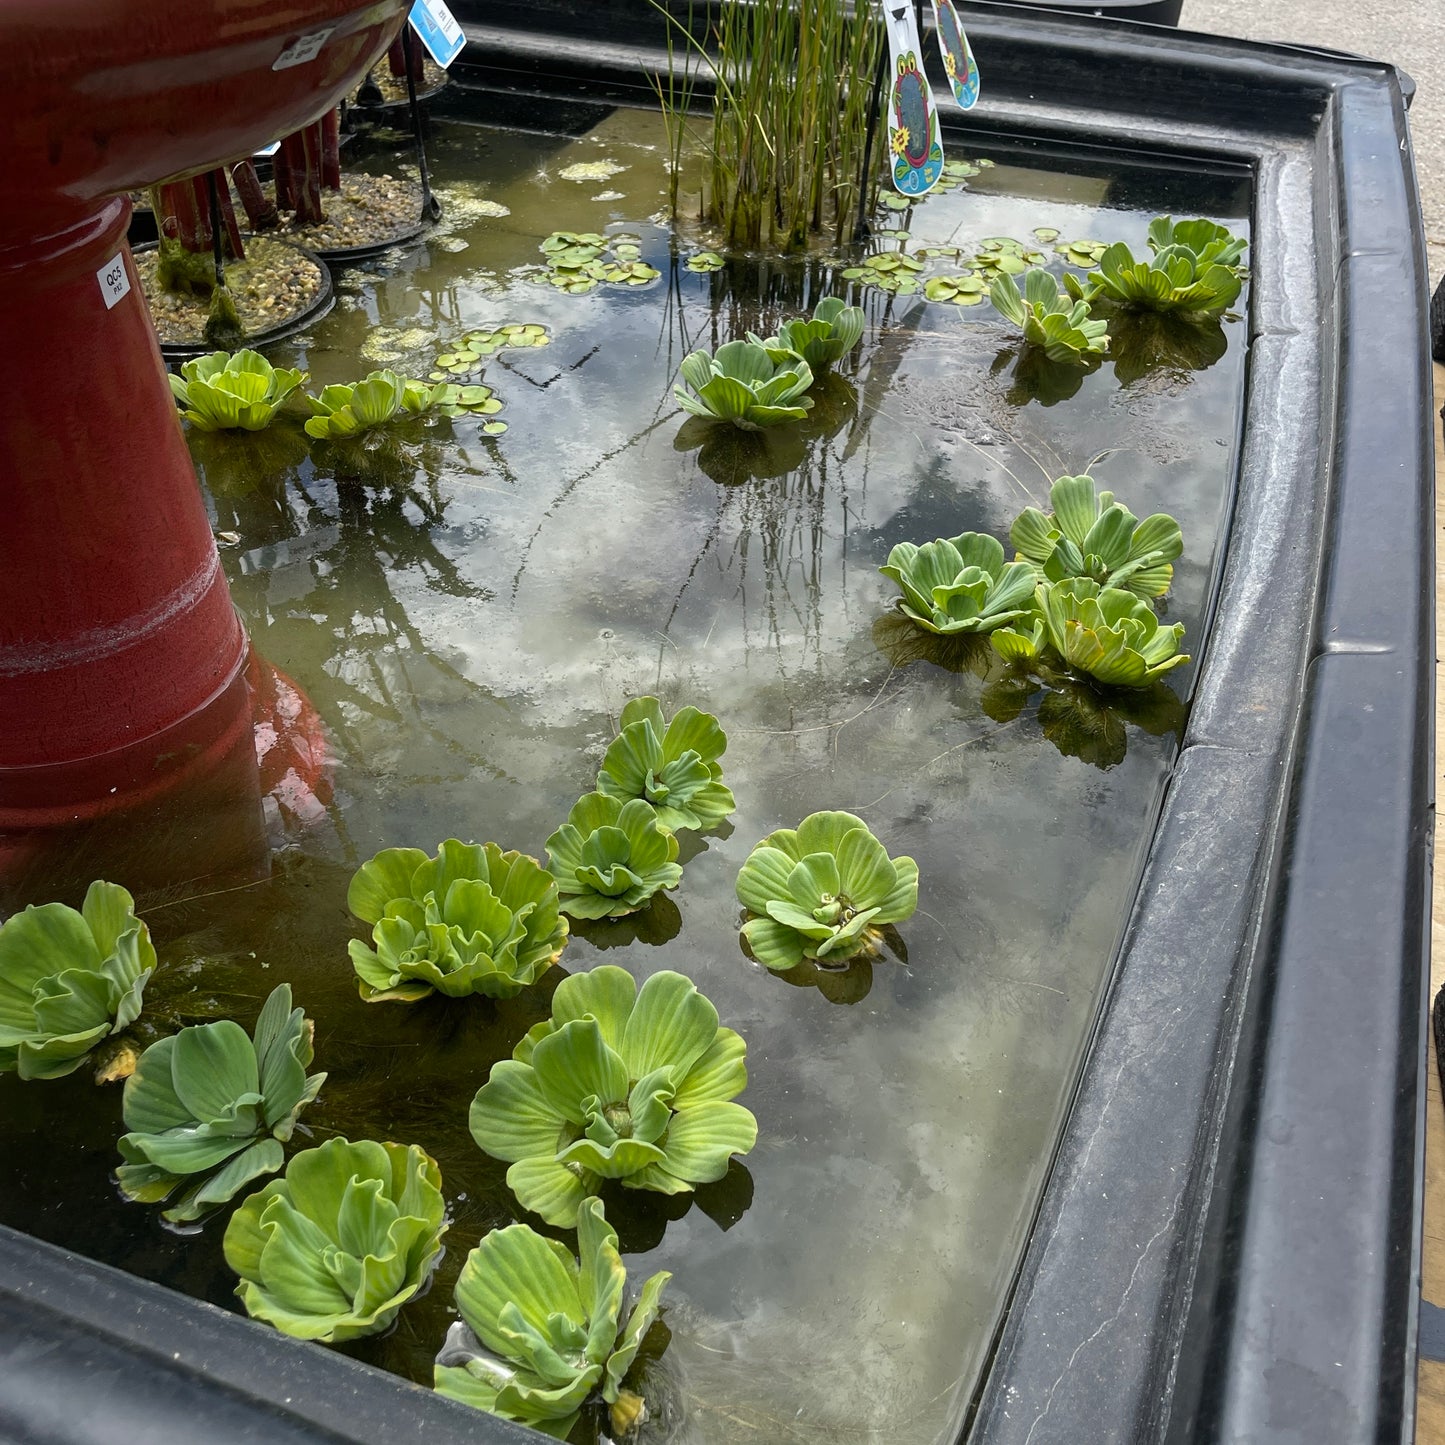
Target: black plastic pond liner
(1228,1245)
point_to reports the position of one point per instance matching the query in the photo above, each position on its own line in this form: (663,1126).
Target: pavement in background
(1408,33)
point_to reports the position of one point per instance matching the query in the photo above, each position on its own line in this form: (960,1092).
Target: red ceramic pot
(119,649)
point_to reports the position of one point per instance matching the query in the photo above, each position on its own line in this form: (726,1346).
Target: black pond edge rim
(1228,1242)
(325,299)
(345,255)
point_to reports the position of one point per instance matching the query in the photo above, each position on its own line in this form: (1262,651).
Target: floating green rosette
(69,979)
(1092,536)
(473,919)
(213,1102)
(960,584)
(543,1332)
(611,857)
(822,890)
(333,1249)
(228,391)
(671,765)
(620,1083)
(1100,632)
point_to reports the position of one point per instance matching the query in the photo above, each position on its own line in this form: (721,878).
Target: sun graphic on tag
(913,136)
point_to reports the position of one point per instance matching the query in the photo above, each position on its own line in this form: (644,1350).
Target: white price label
(439,30)
(307,47)
(114,280)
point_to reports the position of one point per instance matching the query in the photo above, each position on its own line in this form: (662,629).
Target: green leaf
(574,1064)
(719,1074)
(265,1156)
(672,1026)
(549,1189)
(510,1117)
(774,945)
(60,991)
(702,1140)
(606,994)
(213,1065)
(644,1312)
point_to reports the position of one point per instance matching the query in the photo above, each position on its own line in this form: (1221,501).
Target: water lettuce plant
(745,384)
(473,919)
(834,329)
(671,765)
(1049,319)
(334,1248)
(620,1083)
(1091,535)
(823,891)
(542,1332)
(1101,632)
(347,410)
(213,1096)
(610,857)
(225,391)
(960,584)
(1195,268)
(69,979)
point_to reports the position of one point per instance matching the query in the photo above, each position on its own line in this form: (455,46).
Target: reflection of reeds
(790,117)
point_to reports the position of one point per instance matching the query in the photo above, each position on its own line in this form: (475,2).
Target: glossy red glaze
(108,95)
(117,634)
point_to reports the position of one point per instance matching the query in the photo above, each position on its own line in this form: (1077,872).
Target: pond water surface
(468,615)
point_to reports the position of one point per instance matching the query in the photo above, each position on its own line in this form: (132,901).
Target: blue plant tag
(958,58)
(915,152)
(439,30)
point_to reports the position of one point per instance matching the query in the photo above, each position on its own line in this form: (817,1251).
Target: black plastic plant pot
(1227,1246)
(317,308)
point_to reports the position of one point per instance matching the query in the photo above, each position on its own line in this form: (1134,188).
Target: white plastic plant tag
(958,58)
(269,150)
(915,152)
(114,280)
(439,30)
(307,47)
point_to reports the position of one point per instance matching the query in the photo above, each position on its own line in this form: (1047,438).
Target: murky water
(468,620)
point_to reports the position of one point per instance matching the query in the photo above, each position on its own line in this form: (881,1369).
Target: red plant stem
(302,151)
(183,213)
(281,169)
(260,211)
(331,149)
(235,248)
(397,56)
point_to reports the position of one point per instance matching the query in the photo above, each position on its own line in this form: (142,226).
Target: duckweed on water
(577,261)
